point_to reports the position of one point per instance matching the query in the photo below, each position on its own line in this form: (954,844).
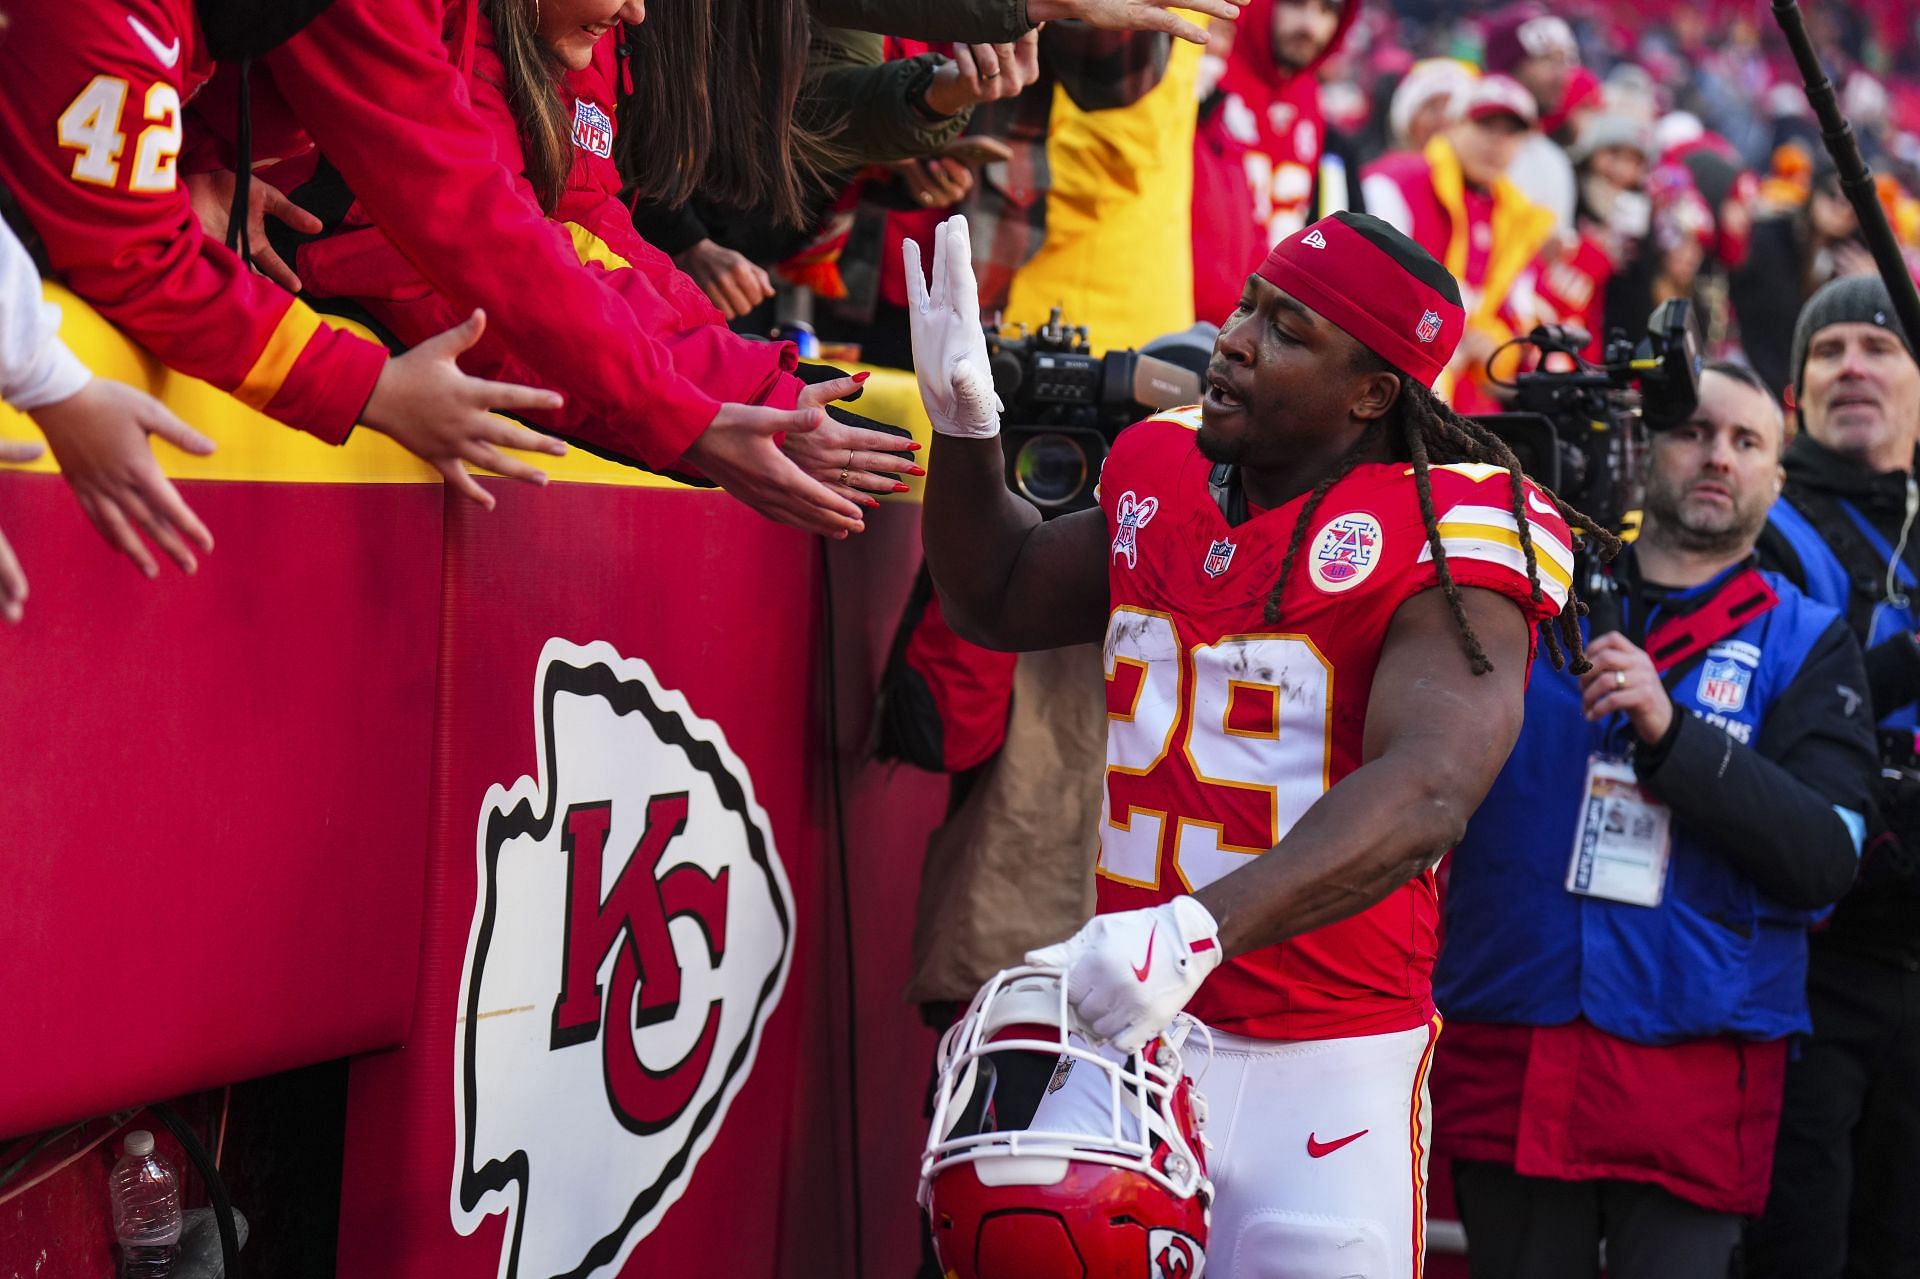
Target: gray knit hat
(1851,299)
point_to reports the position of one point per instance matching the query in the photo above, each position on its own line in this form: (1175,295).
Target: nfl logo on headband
(1429,327)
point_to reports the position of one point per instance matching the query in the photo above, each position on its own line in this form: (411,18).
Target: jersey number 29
(1256,712)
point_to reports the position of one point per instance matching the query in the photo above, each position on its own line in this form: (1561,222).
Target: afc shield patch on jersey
(1429,327)
(632,933)
(592,129)
(1345,552)
(1132,515)
(1173,1255)
(1219,557)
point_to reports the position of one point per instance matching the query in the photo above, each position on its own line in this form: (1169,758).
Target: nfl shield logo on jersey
(1429,327)
(1132,514)
(1727,675)
(1345,552)
(592,129)
(1219,556)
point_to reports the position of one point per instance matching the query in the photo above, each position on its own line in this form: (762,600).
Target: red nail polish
(902,488)
(916,470)
(861,377)
(913,447)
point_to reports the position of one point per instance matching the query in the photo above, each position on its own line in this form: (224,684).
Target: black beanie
(1851,299)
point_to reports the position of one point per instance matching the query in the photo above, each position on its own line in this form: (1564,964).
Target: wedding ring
(1619,679)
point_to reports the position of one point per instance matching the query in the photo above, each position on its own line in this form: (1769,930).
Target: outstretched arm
(1007,579)
(1436,737)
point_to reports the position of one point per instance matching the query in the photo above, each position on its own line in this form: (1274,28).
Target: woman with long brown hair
(542,75)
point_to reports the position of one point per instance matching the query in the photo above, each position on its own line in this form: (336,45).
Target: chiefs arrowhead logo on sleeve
(632,934)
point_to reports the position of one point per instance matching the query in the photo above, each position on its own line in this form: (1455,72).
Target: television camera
(1064,404)
(1580,427)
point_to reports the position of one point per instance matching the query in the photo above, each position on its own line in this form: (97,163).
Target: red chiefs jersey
(91,131)
(372,83)
(362,261)
(1256,155)
(1224,730)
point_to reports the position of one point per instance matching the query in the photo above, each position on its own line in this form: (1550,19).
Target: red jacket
(361,261)
(372,82)
(1255,157)
(1698,1119)
(664,298)
(90,126)
(1572,289)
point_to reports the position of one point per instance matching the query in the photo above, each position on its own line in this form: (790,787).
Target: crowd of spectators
(586,215)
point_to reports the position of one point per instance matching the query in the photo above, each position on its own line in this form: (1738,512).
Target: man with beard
(1847,1171)
(1260,141)
(1627,915)
(1317,592)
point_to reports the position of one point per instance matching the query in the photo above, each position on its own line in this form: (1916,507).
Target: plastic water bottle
(146,1209)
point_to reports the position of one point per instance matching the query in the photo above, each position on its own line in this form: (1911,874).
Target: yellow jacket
(1118,252)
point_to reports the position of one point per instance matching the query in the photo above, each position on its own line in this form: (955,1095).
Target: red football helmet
(1049,1159)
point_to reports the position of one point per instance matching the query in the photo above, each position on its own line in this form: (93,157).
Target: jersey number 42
(91,126)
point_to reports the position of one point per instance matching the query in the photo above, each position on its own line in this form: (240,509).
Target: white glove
(949,347)
(1128,974)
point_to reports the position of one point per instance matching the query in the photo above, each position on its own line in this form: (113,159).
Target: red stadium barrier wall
(535,813)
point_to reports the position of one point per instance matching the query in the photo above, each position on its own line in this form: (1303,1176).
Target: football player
(1318,592)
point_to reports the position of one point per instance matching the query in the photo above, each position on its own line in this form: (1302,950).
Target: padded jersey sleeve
(1473,505)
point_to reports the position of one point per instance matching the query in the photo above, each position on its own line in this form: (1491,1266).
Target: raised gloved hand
(1128,974)
(949,347)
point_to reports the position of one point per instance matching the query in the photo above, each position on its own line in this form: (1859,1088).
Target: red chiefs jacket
(372,82)
(363,261)
(90,133)
(1256,155)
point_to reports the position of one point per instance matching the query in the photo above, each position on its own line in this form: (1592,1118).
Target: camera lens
(1050,469)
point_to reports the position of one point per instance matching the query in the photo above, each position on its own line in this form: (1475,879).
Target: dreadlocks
(1426,432)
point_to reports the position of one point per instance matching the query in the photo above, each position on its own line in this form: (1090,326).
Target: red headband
(1359,287)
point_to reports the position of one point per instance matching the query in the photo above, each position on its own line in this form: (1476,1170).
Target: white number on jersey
(91,126)
(1260,720)
(1280,194)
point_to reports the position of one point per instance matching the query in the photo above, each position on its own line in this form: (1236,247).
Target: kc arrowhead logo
(630,938)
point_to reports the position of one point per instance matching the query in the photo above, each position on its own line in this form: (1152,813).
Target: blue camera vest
(1714,957)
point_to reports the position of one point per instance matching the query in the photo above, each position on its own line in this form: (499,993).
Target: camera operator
(1847,1169)
(1626,918)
